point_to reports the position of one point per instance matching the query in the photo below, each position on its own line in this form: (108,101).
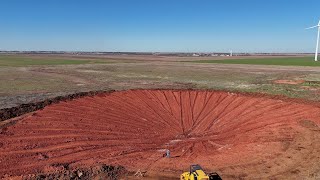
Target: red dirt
(237,135)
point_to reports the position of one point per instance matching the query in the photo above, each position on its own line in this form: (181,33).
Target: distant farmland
(292,61)
(17,61)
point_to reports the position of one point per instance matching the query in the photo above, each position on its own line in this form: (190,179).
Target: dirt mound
(8,113)
(237,135)
(63,171)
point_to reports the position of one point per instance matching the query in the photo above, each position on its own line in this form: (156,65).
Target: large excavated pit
(240,136)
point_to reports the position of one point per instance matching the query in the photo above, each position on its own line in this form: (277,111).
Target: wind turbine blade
(312,27)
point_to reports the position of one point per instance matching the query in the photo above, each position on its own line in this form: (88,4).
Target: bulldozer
(197,173)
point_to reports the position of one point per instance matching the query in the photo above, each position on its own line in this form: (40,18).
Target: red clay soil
(238,136)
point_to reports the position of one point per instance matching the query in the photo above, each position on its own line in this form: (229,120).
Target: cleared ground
(233,134)
(280,136)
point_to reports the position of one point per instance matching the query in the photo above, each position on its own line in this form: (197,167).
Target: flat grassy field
(292,61)
(16,61)
(24,78)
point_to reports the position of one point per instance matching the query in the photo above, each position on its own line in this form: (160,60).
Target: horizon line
(152,52)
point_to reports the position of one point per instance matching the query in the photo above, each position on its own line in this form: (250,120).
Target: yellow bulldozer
(197,173)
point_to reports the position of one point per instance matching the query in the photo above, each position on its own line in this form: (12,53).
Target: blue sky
(159,25)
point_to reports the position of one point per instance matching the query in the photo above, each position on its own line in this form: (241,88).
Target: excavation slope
(236,135)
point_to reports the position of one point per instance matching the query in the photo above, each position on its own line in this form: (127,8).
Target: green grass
(292,61)
(311,83)
(16,61)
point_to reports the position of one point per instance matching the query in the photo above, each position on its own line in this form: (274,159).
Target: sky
(159,25)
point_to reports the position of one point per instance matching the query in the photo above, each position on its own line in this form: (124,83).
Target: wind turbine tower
(317,47)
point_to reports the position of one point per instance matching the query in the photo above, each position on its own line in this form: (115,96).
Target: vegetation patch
(16,61)
(312,83)
(298,61)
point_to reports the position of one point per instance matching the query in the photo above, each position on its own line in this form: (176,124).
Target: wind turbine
(317,48)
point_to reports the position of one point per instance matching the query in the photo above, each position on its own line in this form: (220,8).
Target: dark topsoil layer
(13,112)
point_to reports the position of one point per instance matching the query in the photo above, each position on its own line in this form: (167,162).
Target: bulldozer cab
(197,173)
(194,168)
